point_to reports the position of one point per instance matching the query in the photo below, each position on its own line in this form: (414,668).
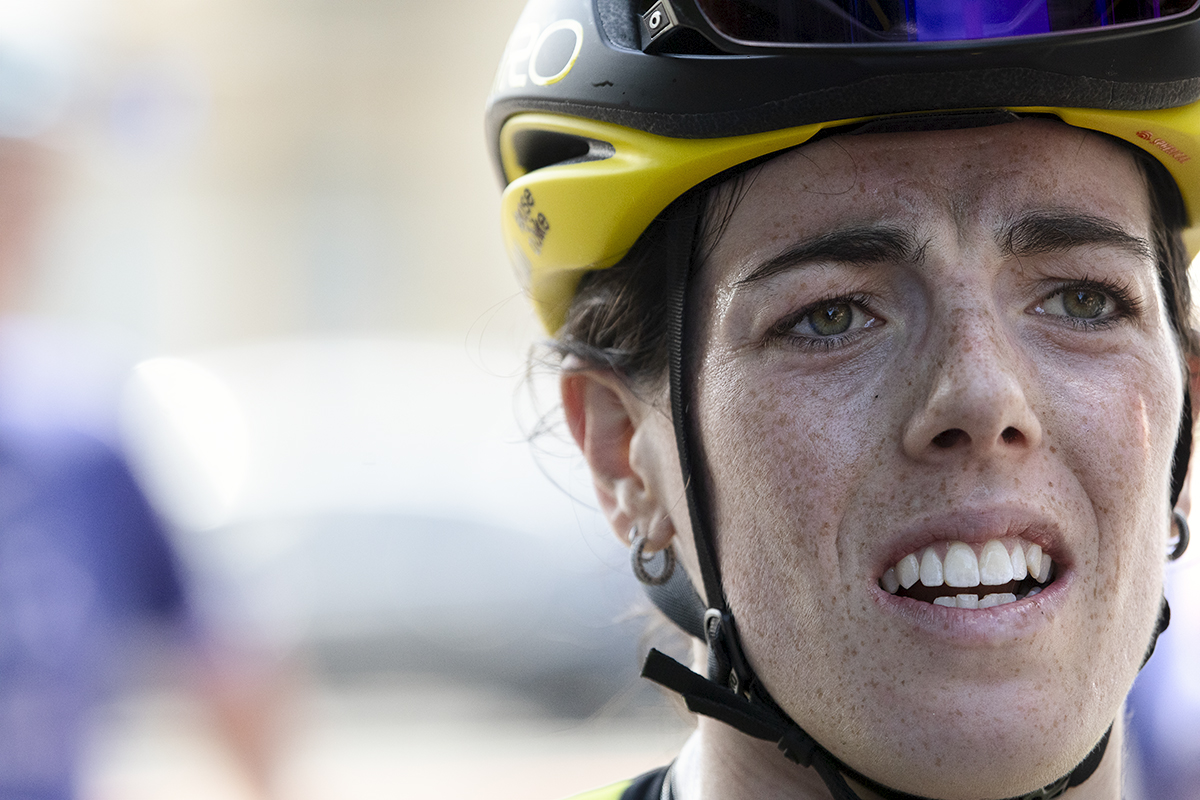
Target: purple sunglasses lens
(863,21)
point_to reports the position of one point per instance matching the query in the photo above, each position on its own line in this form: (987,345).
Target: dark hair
(617,320)
(1168,217)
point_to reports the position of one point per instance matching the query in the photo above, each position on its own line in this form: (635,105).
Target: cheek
(1116,435)
(788,462)
(784,461)
(1116,439)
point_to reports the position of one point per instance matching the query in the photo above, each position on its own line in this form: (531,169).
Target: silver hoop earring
(1185,536)
(639,561)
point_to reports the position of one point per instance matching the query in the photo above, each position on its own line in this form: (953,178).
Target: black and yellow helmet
(605,111)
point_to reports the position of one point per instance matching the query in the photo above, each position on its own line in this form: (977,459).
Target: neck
(720,763)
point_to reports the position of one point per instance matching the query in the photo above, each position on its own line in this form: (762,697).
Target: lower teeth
(1021,590)
(974,601)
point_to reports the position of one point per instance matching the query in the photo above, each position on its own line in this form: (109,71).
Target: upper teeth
(960,565)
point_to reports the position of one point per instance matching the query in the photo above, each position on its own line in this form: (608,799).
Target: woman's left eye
(1084,305)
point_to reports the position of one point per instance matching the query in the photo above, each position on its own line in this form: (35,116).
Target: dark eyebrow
(1055,231)
(858,246)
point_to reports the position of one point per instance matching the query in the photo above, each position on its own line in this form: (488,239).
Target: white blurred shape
(343,426)
(40,51)
(46,24)
(187,430)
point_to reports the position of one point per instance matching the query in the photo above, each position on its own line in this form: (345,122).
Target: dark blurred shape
(89,585)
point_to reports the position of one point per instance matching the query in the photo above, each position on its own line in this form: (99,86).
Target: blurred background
(256,252)
(251,248)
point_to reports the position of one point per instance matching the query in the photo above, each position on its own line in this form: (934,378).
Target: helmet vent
(538,149)
(619,23)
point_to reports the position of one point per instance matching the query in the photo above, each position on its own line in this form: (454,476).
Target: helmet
(600,117)
(605,112)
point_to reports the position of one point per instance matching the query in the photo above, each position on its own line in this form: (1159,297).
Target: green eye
(1084,303)
(832,319)
(829,322)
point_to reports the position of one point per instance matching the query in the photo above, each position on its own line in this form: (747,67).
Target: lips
(956,574)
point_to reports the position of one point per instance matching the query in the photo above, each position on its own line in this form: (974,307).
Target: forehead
(973,181)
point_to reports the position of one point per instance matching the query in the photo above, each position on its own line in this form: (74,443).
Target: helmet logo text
(521,59)
(1162,144)
(536,225)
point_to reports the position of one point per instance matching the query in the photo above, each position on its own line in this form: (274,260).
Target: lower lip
(984,627)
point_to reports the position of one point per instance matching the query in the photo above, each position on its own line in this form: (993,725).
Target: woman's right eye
(828,322)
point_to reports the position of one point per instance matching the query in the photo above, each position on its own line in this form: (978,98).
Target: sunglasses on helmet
(748,26)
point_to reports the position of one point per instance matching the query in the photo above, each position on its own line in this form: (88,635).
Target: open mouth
(959,575)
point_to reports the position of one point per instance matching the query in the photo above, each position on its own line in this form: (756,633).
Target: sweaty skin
(908,340)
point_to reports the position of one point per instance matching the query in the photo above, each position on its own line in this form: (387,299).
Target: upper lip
(977,526)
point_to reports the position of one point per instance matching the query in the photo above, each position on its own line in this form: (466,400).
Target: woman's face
(919,345)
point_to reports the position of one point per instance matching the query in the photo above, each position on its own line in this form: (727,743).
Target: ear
(613,428)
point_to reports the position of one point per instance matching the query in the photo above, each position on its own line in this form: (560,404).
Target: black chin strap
(755,714)
(756,719)
(731,692)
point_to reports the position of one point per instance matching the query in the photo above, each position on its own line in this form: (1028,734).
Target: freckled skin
(817,456)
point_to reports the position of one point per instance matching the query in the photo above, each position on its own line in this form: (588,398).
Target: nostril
(948,438)
(1010,435)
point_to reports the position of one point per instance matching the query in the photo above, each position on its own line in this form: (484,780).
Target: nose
(977,393)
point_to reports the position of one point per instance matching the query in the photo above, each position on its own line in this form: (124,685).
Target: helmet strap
(682,233)
(1183,449)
